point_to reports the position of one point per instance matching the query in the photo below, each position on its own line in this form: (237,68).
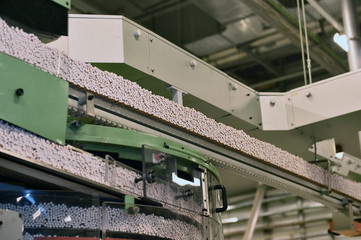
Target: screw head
(137,33)
(19,92)
(233,86)
(272,102)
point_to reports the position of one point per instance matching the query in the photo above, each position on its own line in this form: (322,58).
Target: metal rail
(222,157)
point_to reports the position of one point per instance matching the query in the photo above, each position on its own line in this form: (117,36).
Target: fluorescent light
(30,198)
(19,199)
(341,40)
(230,220)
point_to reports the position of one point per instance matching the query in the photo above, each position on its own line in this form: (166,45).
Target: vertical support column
(349,15)
(301,219)
(177,94)
(251,225)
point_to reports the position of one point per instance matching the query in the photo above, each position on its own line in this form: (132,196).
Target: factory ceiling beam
(265,64)
(326,15)
(278,18)
(283,78)
(162,9)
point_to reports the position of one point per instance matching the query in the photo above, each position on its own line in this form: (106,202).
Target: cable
(306,38)
(301,41)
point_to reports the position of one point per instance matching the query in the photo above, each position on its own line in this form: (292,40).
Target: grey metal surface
(111,40)
(352,31)
(343,220)
(11,225)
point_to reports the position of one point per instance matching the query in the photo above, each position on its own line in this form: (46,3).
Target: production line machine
(75,174)
(133,174)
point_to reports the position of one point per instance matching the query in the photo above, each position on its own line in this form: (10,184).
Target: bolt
(250,117)
(90,97)
(19,92)
(137,34)
(272,102)
(151,39)
(193,63)
(152,70)
(248,94)
(233,86)
(308,95)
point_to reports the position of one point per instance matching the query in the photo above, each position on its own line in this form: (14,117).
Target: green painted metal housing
(64,3)
(33,99)
(128,144)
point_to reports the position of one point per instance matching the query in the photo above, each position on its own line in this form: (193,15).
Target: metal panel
(41,105)
(174,66)
(103,43)
(11,226)
(276,112)
(136,49)
(146,56)
(327,99)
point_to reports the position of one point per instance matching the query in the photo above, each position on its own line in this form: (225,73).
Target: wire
(301,41)
(306,38)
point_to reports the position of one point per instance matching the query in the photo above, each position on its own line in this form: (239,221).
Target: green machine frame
(128,144)
(33,99)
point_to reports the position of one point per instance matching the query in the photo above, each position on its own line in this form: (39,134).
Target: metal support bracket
(177,94)
(111,180)
(88,101)
(204,181)
(343,220)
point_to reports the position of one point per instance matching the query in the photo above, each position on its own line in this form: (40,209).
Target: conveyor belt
(108,113)
(232,148)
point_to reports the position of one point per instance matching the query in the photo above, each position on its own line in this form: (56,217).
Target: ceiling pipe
(283,78)
(349,15)
(326,15)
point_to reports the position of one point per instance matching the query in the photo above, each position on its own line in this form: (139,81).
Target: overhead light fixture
(341,40)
